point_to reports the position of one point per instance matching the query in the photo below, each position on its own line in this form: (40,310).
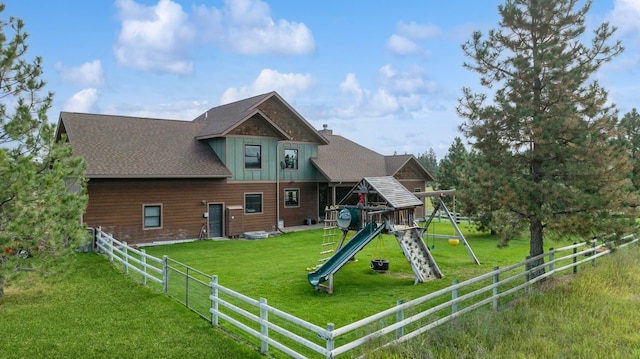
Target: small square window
(253,203)
(290,159)
(252,156)
(291,197)
(152,216)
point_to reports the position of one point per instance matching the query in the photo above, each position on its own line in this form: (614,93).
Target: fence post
(593,252)
(214,300)
(165,274)
(264,328)
(330,341)
(575,259)
(527,268)
(125,257)
(143,259)
(110,240)
(496,280)
(552,266)
(399,317)
(186,288)
(454,296)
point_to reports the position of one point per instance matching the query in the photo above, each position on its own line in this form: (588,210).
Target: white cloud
(625,15)
(417,31)
(400,93)
(82,101)
(401,45)
(247,27)
(89,74)
(288,85)
(351,86)
(403,42)
(154,38)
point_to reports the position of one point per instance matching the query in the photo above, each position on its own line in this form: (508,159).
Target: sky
(385,74)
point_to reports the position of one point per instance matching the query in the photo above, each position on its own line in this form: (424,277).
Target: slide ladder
(415,250)
(330,234)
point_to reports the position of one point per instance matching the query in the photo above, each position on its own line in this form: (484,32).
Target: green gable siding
(272,155)
(219,147)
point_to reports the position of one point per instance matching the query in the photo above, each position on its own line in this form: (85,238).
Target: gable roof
(390,190)
(343,160)
(222,120)
(133,147)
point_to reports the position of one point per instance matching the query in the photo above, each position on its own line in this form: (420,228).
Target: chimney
(325,130)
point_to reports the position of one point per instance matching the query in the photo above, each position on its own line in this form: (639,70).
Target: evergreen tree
(430,161)
(452,172)
(630,135)
(547,136)
(42,188)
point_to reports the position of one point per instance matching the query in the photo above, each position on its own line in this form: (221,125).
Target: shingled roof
(346,161)
(133,147)
(390,189)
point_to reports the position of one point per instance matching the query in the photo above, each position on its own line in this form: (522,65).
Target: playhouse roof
(390,189)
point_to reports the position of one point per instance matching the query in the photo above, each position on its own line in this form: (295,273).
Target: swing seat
(454,241)
(380,265)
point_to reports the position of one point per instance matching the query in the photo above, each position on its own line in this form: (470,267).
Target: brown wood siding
(255,126)
(295,216)
(288,120)
(116,205)
(410,171)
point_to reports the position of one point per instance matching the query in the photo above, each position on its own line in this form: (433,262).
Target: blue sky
(384,74)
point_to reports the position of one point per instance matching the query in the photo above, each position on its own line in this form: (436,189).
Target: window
(253,203)
(252,157)
(290,159)
(291,197)
(152,216)
(417,189)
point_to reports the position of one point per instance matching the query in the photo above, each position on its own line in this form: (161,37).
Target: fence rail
(298,338)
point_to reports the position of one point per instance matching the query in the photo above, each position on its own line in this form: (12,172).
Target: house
(251,165)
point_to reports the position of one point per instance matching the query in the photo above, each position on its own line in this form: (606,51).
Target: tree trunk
(535,246)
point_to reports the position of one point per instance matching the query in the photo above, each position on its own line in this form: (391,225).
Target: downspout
(278,187)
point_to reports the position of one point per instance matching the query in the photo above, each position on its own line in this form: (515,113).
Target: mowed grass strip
(95,311)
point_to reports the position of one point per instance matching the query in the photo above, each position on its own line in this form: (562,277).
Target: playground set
(376,205)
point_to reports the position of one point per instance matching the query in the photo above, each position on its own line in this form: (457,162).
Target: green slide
(342,256)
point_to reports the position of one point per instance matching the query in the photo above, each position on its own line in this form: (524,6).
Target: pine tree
(630,135)
(452,172)
(547,135)
(429,160)
(42,187)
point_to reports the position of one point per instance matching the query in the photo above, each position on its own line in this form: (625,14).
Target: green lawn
(94,311)
(276,269)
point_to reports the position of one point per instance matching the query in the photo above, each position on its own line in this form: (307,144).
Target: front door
(215,220)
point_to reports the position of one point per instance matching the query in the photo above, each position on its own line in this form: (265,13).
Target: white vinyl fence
(268,327)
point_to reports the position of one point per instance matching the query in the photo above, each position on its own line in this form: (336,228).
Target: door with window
(215,220)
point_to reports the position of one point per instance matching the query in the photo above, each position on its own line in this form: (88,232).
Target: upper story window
(252,156)
(152,216)
(290,159)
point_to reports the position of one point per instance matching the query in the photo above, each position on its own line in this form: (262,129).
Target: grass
(276,269)
(593,315)
(94,311)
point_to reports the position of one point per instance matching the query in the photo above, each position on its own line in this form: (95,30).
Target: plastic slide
(342,255)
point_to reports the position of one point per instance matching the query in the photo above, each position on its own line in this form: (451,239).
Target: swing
(454,241)
(380,265)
